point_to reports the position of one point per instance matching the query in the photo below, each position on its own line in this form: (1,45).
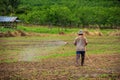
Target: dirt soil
(97,67)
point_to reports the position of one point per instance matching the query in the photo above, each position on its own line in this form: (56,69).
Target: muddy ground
(103,67)
(97,66)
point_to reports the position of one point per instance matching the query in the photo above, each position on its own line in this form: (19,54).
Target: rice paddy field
(51,56)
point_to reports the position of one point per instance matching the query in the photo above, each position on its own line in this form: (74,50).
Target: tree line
(72,13)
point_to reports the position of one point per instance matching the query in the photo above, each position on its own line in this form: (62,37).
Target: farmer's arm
(75,42)
(86,42)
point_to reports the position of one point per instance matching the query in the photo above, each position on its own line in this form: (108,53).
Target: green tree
(14,5)
(8,6)
(70,12)
(58,15)
(4,7)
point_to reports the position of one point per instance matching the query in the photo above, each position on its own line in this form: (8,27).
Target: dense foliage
(85,13)
(8,6)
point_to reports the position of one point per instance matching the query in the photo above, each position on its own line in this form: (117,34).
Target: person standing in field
(80,42)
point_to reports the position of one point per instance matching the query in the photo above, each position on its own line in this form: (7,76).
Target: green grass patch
(96,44)
(8,60)
(54,29)
(56,55)
(6,29)
(44,29)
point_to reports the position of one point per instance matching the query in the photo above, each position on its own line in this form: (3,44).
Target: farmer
(80,42)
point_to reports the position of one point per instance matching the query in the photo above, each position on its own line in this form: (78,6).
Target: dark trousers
(82,53)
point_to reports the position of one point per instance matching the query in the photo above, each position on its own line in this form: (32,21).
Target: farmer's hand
(66,42)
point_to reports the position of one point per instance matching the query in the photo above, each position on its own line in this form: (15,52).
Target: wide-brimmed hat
(80,32)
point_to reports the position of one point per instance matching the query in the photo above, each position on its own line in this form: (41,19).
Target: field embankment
(37,30)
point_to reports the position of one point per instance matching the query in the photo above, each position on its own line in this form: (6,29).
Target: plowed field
(38,58)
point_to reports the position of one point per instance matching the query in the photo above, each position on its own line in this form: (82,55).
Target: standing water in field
(39,49)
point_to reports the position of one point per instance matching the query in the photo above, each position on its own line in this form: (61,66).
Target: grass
(103,45)
(53,30)
(6,29)
(96,44)
(42,29)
